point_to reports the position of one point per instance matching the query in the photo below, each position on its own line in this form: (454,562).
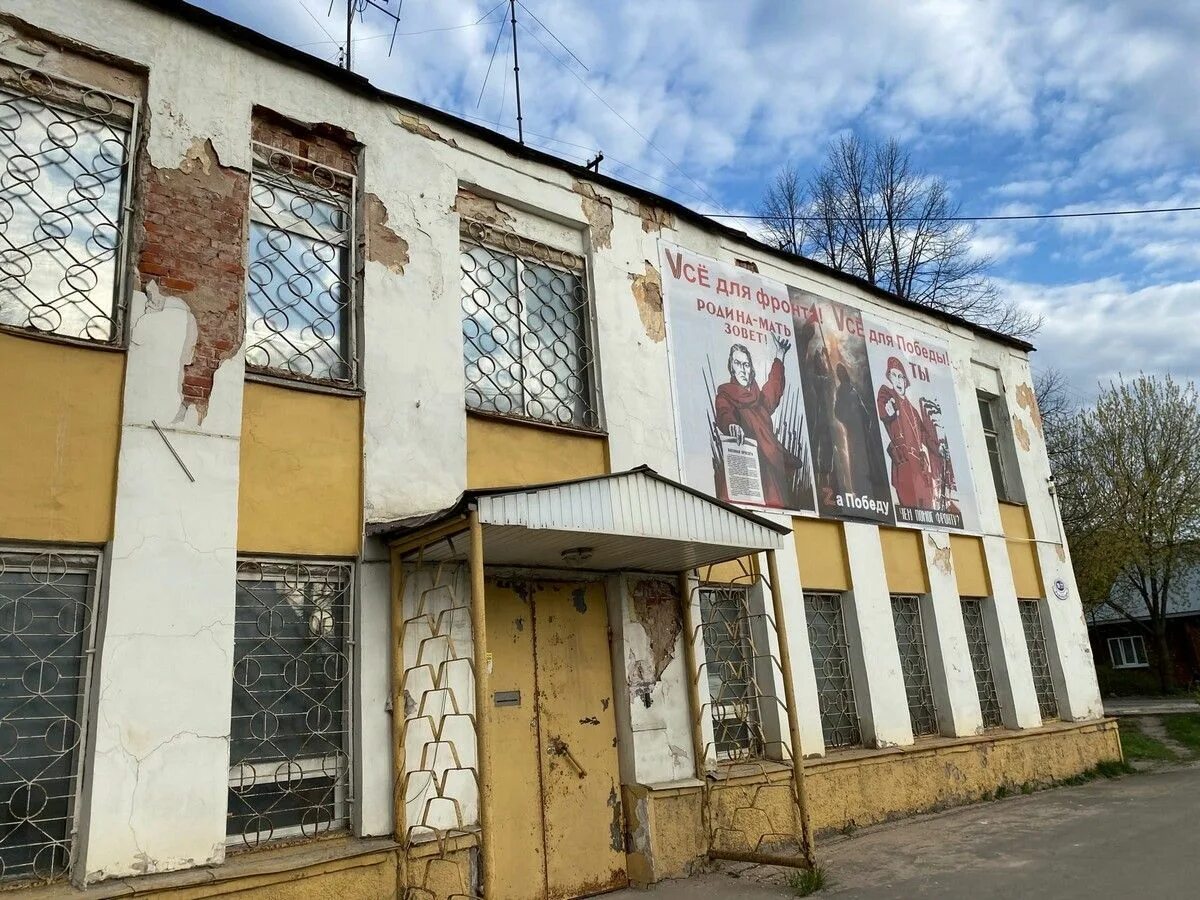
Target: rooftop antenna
(358,7)
(512,6)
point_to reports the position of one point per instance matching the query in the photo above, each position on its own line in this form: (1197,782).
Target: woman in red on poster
(743,410)
(912,440)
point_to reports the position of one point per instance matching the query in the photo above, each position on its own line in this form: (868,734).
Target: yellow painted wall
(863,790)
(736,571)
(61,409)
(1022,552)
(904,561)
(970,566)
(821,551)
(301,472)
(503,453)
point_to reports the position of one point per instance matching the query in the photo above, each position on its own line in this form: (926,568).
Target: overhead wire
(1015,217)
(480,21)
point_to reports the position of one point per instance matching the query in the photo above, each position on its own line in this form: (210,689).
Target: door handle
(559,748)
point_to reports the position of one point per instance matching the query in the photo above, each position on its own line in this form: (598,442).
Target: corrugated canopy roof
(636,520)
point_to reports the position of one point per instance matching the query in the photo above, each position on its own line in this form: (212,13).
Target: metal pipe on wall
(482,695)
(689,655)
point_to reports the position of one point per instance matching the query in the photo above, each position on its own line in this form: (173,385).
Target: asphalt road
(1137,836)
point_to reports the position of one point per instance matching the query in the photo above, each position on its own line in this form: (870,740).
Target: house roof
(351,81)
(1183,599)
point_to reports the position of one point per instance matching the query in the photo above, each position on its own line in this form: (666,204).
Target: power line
(374,37)
(488,73)
(553,35)
(996,218)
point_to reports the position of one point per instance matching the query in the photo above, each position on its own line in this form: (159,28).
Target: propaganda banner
(831,348)
(920,430)
(740,412)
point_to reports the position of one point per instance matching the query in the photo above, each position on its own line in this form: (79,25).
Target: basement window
(300,286)
(64,198)
(731,655)
(527,332)
(1128,652)
(289,770)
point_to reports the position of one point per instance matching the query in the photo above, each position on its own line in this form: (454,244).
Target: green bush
(808,881)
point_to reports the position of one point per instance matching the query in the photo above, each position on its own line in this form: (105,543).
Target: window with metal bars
(914,663)
(831,664)
(47,635)
(527,332)
(64,186)
(730,658)
(300,284)
(290,743)
(1039,659)
(981,662)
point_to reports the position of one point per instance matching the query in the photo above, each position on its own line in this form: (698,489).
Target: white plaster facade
(157,775)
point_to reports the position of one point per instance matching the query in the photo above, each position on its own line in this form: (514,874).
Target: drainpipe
(482,696)
(693,670)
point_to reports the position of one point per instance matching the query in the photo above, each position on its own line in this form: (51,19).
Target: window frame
(261,153)
(1044,687)
(84,703)
(993,710)
(849,662)
(345,793)
(755,745)
(523,251)
(997,461)
(1136,642)
(933,712)
(125,110)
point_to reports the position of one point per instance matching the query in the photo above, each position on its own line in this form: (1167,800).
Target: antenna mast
(359,6)
(512,5)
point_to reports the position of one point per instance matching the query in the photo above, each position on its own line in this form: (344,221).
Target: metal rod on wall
(482,699)
(512,5)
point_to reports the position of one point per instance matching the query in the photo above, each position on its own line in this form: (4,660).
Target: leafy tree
(1128,477)
(870,212)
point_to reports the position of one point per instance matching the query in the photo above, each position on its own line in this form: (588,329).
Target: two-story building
(391,509)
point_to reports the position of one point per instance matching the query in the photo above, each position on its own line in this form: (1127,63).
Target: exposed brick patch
(656,608)
(655,218)
(598,210)
(747,264)
(1027,400)
(414,125)
(383,244)
(647,294)
(320,142)
(470,205)
(192,244)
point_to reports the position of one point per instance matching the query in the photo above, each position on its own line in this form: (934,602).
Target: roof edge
(180,9)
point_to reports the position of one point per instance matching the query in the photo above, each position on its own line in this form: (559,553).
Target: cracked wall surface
(647,294)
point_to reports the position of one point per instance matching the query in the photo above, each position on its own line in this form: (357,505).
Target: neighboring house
(1124,647)
(434,517)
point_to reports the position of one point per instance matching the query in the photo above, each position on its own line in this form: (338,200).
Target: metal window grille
(290,742)
(65,153)
(831,663)
(526,325)
(914,663)
(300,289)
(1039,660)
(981,662)
(991,438)
(730,659)
(47,614)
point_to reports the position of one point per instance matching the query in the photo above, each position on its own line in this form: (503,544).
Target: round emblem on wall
(1061,591)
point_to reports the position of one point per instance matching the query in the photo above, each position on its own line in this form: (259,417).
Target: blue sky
(1021,105)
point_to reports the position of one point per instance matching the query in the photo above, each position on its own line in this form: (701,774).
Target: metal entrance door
(553,767)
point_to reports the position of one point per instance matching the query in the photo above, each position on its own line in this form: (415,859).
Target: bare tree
(783,209)
(1131,503)
(869,211)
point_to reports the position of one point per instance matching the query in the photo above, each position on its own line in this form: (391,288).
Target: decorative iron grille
(66,154)
(914,664)
(731,654)
(47,606)
(299,293)
(981,662)
(831,663)
(290,742)
(526,329)
(1039,660)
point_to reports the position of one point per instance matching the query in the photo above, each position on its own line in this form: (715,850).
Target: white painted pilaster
(158,780)
(804,679)
(373,659)
(1067,641)
(1006,637)
(878,682)
(950,669)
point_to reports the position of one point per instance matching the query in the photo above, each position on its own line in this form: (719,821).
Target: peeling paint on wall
(413,124)
(616,830)
(598,210)
(383,244)
(1027,400)
(942,557)
(656,609)
(748,265)
(198,198)
(470,205)
(579,599)
(1021,433)
(647,293)
(655,218)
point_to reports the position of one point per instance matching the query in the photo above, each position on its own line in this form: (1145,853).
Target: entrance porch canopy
(635,520)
